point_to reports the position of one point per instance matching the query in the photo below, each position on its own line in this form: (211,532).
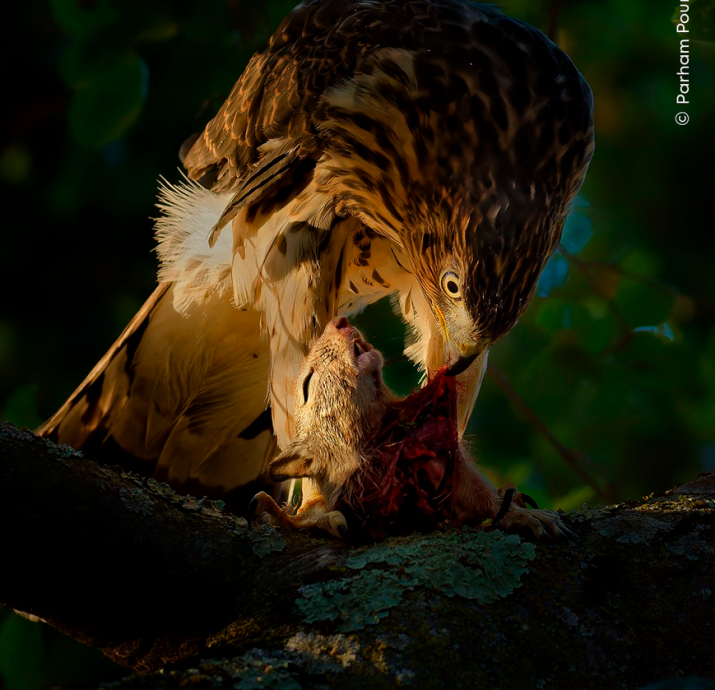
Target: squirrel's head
(340,395)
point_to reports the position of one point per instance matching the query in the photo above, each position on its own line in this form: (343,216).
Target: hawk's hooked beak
(470,364)
(468,353)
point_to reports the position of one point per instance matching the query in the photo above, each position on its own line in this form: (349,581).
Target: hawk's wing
(265,126)
(276,98)
(167,391)
(279,115)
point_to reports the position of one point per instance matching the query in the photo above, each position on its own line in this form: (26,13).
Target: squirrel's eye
(306,386)
(451,285)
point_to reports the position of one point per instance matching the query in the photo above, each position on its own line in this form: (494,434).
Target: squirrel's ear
(291,464)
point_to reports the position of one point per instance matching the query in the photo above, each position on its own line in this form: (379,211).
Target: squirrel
(383,465)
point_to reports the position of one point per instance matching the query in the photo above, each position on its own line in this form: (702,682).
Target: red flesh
(411,464)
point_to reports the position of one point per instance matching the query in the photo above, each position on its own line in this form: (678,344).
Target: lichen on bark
(483,566)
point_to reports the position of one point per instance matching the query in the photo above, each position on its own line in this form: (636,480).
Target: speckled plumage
(425,149)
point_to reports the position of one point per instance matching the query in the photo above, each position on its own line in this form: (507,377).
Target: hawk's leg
(311,515)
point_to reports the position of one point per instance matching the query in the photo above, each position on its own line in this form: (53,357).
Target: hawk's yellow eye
(451,285)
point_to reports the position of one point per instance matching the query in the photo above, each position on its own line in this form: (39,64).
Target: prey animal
(385,465)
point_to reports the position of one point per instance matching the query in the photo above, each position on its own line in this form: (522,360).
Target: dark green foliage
(37,656)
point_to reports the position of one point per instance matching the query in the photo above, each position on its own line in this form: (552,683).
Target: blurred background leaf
(604,391)
(109,104)
(34,656)
(21,653)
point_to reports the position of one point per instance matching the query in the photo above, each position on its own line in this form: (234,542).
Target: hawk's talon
(343,530)
(507,498)
(528,501)
(514,516)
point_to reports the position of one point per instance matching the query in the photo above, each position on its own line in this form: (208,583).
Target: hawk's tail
(181,396)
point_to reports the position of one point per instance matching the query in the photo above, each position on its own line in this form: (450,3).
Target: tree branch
(125,564)
(152,578)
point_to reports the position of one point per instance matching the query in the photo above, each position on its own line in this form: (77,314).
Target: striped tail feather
(180,396)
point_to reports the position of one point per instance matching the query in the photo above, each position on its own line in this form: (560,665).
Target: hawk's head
(470,153)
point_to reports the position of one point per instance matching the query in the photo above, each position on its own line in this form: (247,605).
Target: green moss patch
(474,565)
(265,539)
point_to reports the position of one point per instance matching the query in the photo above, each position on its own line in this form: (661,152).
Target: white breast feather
(188,213)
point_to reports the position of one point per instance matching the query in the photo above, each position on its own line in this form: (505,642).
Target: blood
(410,466)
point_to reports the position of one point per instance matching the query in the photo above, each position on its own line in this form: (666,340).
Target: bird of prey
(427,150)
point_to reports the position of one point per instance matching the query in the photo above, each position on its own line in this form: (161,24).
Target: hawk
(427,150)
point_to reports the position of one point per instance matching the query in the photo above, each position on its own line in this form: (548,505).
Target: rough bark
(161,581)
